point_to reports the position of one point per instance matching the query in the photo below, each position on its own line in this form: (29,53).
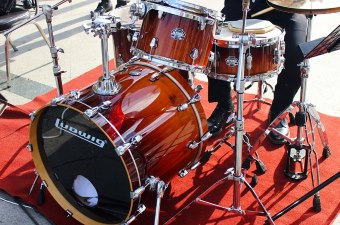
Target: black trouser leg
(220,91)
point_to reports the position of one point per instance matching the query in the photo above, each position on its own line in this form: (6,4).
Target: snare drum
(177,34)
(95,152)
(264,58)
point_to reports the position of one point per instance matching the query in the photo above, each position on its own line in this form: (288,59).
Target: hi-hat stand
(235,173)
(301,148)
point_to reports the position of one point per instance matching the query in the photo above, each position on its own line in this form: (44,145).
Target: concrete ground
(32,75)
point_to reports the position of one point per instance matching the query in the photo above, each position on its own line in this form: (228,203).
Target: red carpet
(274,189)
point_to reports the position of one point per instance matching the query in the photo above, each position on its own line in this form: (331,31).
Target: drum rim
(258,43)
(169,62)
(256,77)
(181,5)
(178,12)
(53,186)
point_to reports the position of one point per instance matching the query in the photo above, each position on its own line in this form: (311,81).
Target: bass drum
(94,151)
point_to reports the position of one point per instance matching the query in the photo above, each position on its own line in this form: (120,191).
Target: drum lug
(32,115)
(194,144)
(249,61)
(194,53)
(212,57)
(72,95)
(195,98)
(182,173)
(160,14)
(141,208)
(120,150)
(198,88)
(231,61)
(138,192)
(154,43)
(202,24)
(154,77)
(29,147)
(89,113)
(283,47)
(276,58)
(135,36)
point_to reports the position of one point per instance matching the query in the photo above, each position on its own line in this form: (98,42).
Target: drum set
(98,149)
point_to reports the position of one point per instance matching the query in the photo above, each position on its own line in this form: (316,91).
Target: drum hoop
(44,173)
(258,43)
(181,13)
(168,62)
(257,77)
(187,5)
(194,108)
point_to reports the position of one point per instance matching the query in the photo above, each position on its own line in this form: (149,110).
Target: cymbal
(307,7)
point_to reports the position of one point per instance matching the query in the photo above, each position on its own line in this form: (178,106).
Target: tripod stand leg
(259,201)
(321,130)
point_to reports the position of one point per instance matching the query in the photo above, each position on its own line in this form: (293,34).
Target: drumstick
(263,11)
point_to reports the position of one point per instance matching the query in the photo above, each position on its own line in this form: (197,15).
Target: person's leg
(103,7)
(121,3)
(288,81)
(27,4)
(219,91)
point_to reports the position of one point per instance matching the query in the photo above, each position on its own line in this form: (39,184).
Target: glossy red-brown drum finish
(144,106)
(122,42)
(262,61)
(168,47)
(267,48)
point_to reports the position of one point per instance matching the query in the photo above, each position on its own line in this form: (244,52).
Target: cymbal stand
(48,11)
(235,174)
(301,148)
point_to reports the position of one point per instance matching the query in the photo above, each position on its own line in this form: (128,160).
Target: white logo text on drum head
(78,133)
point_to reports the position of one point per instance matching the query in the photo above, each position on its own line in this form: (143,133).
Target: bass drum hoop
(59,192)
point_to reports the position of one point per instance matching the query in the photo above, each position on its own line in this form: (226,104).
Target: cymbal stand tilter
(235,174)
(301,148)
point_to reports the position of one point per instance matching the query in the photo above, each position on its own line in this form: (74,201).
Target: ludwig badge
(178,34)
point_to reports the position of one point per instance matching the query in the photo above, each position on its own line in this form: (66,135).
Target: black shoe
(27,4)
(283,128)
(218,119)
(103,7)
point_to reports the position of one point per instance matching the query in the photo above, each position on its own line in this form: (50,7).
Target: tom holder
(101,26)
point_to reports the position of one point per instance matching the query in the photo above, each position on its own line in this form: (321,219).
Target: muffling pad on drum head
(254,26)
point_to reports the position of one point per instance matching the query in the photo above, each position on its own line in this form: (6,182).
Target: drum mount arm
(101,26)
